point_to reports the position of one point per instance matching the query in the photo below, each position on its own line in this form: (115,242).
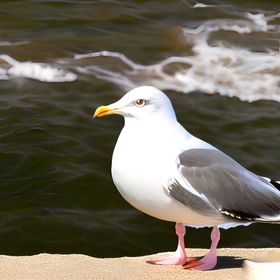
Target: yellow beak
(103,111)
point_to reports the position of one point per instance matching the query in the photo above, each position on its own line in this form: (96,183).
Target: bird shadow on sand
(225,262)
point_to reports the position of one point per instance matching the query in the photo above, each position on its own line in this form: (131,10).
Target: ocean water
(219,63)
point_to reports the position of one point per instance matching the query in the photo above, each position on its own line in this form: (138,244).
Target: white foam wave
(37,71)
(197,5)
(212,68)
(7,43)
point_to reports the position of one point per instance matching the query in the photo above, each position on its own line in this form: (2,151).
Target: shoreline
(77,266)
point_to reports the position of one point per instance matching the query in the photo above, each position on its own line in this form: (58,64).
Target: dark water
(56,191)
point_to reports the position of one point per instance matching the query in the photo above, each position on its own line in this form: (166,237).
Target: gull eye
(140,102)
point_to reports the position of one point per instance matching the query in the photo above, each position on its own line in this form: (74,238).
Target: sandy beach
(74,266)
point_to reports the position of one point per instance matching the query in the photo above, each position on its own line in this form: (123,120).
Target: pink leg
(210,260)
(179,256)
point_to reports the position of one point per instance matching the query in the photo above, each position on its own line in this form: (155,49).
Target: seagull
(166,172)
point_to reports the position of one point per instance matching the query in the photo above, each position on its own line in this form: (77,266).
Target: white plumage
(166,172)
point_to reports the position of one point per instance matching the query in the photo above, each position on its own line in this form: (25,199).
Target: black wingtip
(238,215)
(276,184)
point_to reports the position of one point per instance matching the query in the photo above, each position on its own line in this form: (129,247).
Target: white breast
(139,177)
(142,168)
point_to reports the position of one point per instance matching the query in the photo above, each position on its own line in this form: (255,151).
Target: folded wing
(211,180)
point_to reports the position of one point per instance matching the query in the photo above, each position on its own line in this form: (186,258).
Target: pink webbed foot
(201,264)
(173,259)
(192,262)
(179,257)
(210,260)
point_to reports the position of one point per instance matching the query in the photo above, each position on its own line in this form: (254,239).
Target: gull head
(141,103)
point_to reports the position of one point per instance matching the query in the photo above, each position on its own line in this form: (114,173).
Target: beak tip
(102,111)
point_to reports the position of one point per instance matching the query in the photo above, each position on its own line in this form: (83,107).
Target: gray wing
(226,185)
